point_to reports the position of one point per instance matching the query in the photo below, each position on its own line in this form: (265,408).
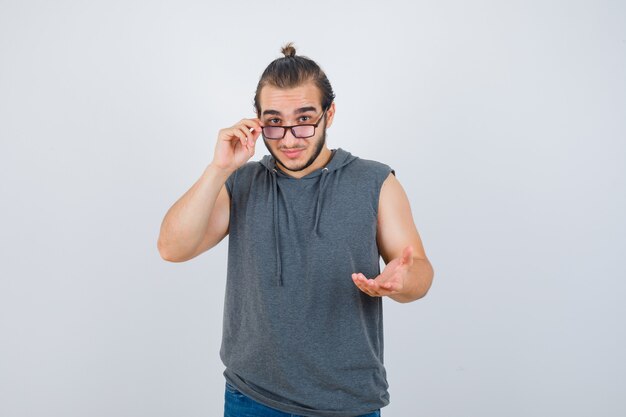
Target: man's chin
(293,168)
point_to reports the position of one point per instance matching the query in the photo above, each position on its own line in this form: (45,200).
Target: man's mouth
(292,153)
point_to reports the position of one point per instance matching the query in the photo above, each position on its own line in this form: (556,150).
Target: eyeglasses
(298,131)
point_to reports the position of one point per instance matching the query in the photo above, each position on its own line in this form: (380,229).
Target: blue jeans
(236,404)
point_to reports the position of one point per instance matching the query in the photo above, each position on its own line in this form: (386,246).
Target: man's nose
(290,140)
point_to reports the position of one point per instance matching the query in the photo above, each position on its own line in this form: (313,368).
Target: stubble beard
(318,149)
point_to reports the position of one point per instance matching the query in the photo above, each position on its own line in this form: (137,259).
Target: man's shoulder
(243,174)
(249,168)
(370,166)
(369,163)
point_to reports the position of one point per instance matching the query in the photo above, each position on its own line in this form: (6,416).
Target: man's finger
(237,133)
(254,124)
(372,287)
(362,283)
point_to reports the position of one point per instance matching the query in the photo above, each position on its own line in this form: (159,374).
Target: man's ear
(330,115)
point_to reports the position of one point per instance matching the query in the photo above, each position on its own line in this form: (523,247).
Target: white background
(504,121)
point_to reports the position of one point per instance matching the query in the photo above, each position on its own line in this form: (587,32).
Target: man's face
(294,106)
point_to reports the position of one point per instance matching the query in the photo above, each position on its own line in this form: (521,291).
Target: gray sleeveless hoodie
(298,335)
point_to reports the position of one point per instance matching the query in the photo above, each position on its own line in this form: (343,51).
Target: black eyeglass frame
(292,131)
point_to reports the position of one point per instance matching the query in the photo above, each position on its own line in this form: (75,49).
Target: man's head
(293,90)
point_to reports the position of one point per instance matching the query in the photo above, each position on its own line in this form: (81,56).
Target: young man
(303,323)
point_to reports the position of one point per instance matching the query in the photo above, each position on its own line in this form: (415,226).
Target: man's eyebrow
(298,111)
(305,109)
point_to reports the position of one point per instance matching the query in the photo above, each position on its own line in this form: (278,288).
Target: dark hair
(292,71)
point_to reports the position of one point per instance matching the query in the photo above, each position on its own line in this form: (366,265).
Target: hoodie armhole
(380,181)
(230,184)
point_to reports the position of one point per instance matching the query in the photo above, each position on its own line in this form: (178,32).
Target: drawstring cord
(319,201)
(275,203)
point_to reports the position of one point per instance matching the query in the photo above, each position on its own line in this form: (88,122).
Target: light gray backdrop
(504,121)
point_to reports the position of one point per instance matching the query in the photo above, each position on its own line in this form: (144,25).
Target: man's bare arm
(408,273)
(199,220)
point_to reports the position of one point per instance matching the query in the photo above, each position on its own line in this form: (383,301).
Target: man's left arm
(408,273)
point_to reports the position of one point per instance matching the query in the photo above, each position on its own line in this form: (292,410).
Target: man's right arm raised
(199,220)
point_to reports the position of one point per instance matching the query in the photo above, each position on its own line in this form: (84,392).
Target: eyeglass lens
(278,132)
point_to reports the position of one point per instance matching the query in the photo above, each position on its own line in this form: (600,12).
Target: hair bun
(288,50)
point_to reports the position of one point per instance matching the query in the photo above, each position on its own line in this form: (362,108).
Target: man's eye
(274,120)
(305,118)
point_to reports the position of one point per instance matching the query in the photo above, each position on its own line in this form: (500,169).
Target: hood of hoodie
(339,159)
